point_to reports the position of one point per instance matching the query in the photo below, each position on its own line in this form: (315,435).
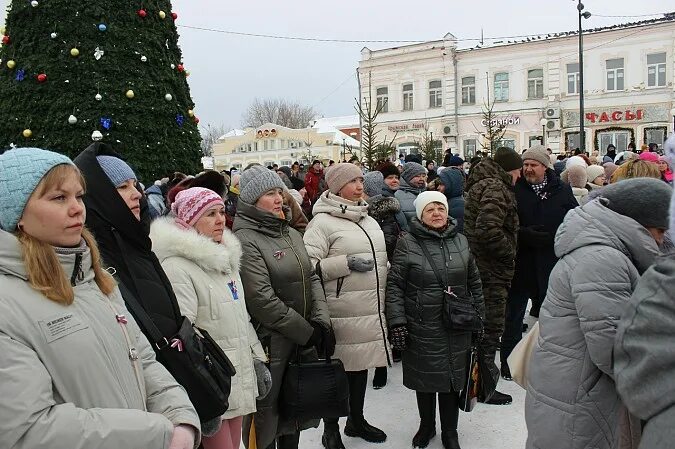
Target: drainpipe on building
(358,80)
(454,64)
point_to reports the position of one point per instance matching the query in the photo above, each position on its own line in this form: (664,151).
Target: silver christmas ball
(34,3)
(173,66)
(53,35)
(144,59)
(98,97)
(168,97)
(72,119)
(96,136)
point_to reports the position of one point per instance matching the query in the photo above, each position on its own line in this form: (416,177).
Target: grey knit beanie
(537,153)
(412,169)
(373,183)
(116,169)
(645,200)
(338,175)
(257,180)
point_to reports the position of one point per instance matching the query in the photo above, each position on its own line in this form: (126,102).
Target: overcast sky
(228,71)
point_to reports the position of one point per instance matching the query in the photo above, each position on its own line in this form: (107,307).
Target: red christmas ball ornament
(174,15)
(180,67)
(196,119)
(41,78)
(142,13)
(5,39)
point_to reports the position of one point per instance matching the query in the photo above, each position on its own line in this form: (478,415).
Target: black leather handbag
(316,389)
(192,357)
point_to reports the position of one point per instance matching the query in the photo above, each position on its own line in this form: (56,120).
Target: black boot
(506,371)
(450,439)
(426,405)
(499,398)
(380,377)
(331,438)
(357,426)
(288,441)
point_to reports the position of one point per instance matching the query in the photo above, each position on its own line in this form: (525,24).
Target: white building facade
(434,87)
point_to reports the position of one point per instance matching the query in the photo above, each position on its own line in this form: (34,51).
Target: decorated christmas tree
(74,71)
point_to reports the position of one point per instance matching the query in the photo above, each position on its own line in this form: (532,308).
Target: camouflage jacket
(491,221)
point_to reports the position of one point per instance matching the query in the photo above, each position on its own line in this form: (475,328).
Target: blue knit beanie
(116,169)
(21,170)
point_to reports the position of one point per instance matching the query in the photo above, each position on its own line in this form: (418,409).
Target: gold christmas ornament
(27,133)
(162,15)
(191,113)
(74,52)
(130,94)
(11,64)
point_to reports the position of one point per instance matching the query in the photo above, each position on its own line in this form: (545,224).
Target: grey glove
(360,264)
(264,378)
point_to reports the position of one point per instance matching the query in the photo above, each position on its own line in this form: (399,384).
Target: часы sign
(615,116)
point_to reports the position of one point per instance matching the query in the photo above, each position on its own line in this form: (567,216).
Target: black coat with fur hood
(384,209)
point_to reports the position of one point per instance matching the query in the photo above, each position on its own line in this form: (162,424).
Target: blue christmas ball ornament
(102,27)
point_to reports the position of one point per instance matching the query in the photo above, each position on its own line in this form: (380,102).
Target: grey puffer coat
(283,294)
(406,196)
(644,354)
(435,360)
(572,402)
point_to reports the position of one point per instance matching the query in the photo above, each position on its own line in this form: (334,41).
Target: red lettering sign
(629,115)
(616,115)
(591,116)
(604,117)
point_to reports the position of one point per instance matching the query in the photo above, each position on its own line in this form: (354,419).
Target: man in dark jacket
(543,201)
(491,226)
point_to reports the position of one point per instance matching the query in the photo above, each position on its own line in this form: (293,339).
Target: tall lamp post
(672,113)
(582,134)
(543,123)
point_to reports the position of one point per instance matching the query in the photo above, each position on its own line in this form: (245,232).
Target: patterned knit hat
(192,203)
(373,183)
(116,169)
(412,169)
(21,170)
(339,175)
(257,180)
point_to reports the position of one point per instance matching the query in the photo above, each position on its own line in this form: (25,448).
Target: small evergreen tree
(430,147)
(76,71)
(368,114)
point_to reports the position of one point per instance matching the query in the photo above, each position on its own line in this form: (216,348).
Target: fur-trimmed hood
(381,206)
(168,240)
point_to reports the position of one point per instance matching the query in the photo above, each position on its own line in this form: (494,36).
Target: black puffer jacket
(384,209)
(125,243)
(435,360)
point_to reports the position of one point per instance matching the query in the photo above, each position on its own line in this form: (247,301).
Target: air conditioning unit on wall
(449,129)
(551,113)
(553,124)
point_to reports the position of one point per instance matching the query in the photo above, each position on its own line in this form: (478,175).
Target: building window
(383,99)
(408,97)
(509,143)
(501,86)
(619,139)
(266,145)
(469,148)
(572,141)
(435,94)
(656,70)
(536,140)
(268,163)
(273,144)
(535,83)
(573,78)
(286,163)
(469,90)
(614,74)
(656,135)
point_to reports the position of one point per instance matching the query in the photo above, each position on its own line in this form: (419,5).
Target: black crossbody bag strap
(144,320)
(435,269)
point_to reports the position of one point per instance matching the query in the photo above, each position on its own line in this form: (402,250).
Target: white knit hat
(426,198)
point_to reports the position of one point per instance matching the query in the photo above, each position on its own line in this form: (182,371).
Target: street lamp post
(543,123)
(672,113)
(582,134)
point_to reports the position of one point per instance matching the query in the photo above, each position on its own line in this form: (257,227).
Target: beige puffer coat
(201,272)
(66,378)
(342,228)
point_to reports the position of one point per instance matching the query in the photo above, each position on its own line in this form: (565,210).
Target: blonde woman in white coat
(201,259)
(348,248)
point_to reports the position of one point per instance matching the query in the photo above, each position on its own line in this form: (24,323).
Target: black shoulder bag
(192,357)
(459,314)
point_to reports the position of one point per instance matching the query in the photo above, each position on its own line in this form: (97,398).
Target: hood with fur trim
(168,240)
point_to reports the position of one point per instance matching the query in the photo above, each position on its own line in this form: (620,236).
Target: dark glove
(263,378)
(398,337)
(534,236)
(329,342)
(316,339)
(360,264)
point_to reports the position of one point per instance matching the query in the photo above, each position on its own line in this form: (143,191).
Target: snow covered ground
(394,410)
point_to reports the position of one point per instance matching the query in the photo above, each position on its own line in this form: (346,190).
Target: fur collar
(383,206)
(168,240)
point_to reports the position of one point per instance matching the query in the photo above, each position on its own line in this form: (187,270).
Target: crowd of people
(281,265)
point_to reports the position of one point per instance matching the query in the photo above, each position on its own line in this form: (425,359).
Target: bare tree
(494,128)
(279,111)
(210,135)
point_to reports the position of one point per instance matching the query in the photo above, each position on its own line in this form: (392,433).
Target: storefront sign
(406,127)
(627,115)
(508,121)
(263,133)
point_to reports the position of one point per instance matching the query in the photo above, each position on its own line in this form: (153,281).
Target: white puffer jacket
(342,228)
(204,275)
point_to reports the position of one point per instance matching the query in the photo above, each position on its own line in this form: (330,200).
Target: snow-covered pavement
(394,410)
